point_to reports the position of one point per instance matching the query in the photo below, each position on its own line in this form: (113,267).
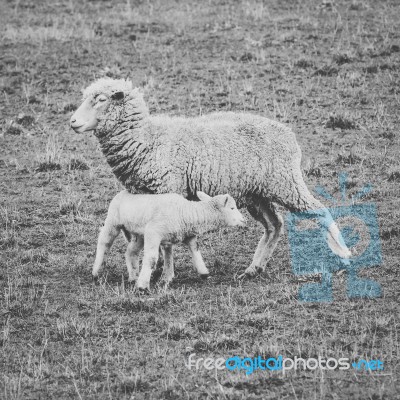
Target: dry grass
(330,70)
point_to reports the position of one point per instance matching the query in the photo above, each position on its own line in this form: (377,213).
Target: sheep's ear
(117,96)
(202,196)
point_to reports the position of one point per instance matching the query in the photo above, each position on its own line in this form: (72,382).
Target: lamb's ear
(202,196)
(226,198)
(117,96)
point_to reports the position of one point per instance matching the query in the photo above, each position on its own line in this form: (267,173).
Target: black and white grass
(274,77)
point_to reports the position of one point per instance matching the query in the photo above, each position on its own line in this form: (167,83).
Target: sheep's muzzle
(84,118)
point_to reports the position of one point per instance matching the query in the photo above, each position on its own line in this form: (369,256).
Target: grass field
(329,69)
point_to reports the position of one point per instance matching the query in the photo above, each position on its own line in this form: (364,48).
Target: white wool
(108,86)
(150,220)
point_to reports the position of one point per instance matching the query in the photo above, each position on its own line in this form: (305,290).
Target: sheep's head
(104,101)
(226,205)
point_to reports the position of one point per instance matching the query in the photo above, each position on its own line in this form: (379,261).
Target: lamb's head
(105,103)
(226,205)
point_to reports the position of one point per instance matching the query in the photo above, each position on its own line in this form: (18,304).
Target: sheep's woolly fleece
(253,158)
(107,86)
(242,154)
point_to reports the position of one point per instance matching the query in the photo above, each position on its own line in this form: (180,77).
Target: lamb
(165,219)
(253,158)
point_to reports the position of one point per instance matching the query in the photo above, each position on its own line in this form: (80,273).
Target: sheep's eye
(101,98)
(232,208)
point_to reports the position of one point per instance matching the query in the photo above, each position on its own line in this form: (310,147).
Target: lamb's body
(150,220)
(255,159)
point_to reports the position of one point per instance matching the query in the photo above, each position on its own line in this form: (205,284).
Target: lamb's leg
(265,212)
(168,273)
(151,251)
(106,238)
(132,254)
(197,259)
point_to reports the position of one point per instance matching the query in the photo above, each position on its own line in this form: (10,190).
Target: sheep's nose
(73,123)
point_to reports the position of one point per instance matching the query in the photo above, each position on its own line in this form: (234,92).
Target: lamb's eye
(232,208)
(101,98)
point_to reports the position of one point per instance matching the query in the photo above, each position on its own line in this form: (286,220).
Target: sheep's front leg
(132,255)
(168,273)
(197,259)
(107,236)
(151,250)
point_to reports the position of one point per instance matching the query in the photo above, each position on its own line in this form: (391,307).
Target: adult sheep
(255,159)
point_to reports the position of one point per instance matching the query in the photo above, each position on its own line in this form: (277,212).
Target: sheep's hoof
(204,276)
(95,279)
(143,291)
(341,272)
(241,276)
(251,271)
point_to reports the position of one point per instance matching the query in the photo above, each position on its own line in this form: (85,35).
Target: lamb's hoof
(162,286)
(143,291)
(204,276)
(95,279)
(164,282)
(131,282)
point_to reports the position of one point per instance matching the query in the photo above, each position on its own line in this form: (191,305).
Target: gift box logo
(310,251)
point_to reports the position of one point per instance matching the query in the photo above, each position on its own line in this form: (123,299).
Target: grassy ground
(328,69)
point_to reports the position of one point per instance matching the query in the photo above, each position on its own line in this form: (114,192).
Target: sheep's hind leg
(168,273)
(265,212)
(197,259)
(132,254)
(104,243)
(151,252)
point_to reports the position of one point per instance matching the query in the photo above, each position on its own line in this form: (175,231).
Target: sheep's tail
(302,200)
